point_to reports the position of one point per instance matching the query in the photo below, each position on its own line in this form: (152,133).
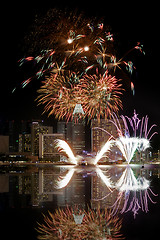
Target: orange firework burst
(99,95)
(93,224)
(60,96)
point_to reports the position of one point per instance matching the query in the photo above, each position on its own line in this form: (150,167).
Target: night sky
(131,22)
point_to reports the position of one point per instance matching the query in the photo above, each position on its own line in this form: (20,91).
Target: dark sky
(130,21)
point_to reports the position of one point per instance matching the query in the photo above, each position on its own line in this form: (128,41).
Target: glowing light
(78,109)
(61,183)
(105,179)
(134,191)
(97,94)
(90,36)
(128,182)
(92,53)
(100,95)
(138,128)
(70,40)
(128,146)
(104,149)
(65,148)
(86,48)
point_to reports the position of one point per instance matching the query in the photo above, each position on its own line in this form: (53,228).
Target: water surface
(27,191)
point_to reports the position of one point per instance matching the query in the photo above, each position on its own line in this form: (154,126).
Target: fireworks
(64,147)
(136,128)
(92,224)
(77,55)
(128,146)
(131,137)
(99,95)
(104,149)
(59,96)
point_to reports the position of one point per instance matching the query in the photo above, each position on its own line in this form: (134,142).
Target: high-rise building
(78,136)
(37,128)
(74,133)
(73,194)
(101,132)
(14,129)
(47,144)
(25,142)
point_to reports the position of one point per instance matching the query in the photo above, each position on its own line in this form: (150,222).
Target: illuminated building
(74,133)
(78,136)
(24,142)
(99,135)
(47,144)
(37,128)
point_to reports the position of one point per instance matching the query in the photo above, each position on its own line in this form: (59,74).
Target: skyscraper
(78,136)
(101,132)
(47,144)
(24,142)
(74,133)
(37,128)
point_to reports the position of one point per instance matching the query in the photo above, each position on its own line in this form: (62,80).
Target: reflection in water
(135,193)
(130,193)
(72,223)
(120,188)
(61,183)
(116,188)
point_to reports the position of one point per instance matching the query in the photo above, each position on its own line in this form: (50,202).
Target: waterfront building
(99,135)
(38,128)
(47,144)
(24,142)
(74,133)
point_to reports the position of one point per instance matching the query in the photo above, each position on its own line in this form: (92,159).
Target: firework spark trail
(103,150)
(128,146)
(138,128)
(100,95)
(65,148)
(60,96)
(93,224)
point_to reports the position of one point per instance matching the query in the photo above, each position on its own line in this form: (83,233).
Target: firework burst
(71,38)
(77,55)
(98,94)
(60,96)
(101,95)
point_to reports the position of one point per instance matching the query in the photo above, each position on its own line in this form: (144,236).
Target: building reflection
(72,194)
(100,194)
(37,186)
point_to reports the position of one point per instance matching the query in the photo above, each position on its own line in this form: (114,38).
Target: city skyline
(134,26)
